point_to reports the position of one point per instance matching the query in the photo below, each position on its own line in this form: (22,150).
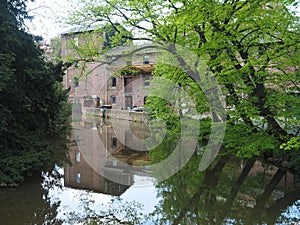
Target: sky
(47,14)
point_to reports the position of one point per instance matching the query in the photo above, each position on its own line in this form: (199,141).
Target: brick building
(117,78)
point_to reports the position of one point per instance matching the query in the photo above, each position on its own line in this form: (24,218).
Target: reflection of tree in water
(21,207)
(227,193)
(117,212)
(230,191)
(46,212)
(31,203)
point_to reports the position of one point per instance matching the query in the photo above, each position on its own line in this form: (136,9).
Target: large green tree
(32,103)
(251,48)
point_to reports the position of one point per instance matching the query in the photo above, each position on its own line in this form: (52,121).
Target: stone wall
(127,115)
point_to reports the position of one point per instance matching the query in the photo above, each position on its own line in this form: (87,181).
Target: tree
(250,47)
(55,46)
(225,192)
(33,104)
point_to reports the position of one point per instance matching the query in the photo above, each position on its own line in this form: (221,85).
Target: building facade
(117,78)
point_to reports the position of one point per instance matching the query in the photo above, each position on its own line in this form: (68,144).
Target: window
(76,81)
(146,59)
(77,156)
(113,82)
(113,142)
(113,99)
(77,178)
(146,80)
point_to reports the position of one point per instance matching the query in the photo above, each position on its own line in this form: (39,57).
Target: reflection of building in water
(273,186)
(124,141)
(120,134)
(286,180)
(104,151)
(80,174)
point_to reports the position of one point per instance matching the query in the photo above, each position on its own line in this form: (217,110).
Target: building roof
(82,29)
(135,49)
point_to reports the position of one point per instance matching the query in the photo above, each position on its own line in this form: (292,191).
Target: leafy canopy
(251,48)
(32,103)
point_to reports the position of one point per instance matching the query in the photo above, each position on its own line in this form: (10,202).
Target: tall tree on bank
(31,98)
(251,48)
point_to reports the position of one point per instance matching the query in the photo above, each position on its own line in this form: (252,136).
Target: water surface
(108,179)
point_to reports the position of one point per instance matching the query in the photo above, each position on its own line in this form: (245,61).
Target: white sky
(46,14)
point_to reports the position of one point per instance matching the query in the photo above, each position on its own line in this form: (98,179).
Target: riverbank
(129,115)
(89,114)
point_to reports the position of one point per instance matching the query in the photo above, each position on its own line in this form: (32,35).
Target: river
(108,179)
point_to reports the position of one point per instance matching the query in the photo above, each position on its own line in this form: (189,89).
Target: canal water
(107,179)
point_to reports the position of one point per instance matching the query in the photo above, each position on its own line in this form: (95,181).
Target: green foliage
(86,45)
(115,35)
(250,47)
(89,44)
(162,109)
(205,129)
(55,45)
(33,104)
(246,143)
(128,71)
(14,168)
(176,75)
(227,191)
(292,151)
(292,144)
(162,151)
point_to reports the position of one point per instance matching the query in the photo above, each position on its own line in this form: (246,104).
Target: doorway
(128,102)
